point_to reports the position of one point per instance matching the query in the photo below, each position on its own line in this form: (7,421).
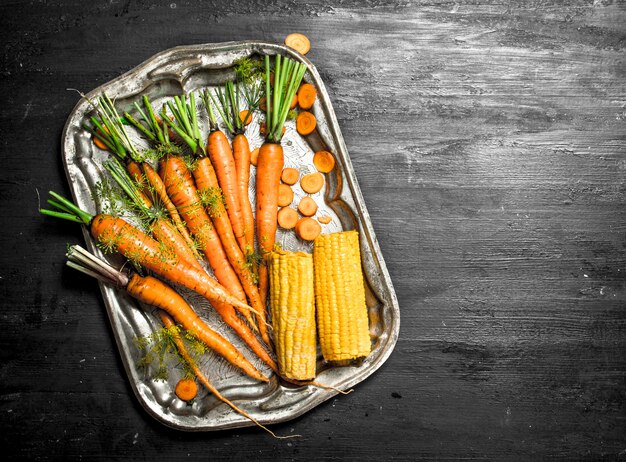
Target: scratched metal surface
(185,70)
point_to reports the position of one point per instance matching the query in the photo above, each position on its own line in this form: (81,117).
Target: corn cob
(292,305)
(342,318)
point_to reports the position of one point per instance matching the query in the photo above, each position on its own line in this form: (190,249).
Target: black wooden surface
(489,140)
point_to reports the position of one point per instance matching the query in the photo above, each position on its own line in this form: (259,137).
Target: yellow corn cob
(342,318)
(292,305)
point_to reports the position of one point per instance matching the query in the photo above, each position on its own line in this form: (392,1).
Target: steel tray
(182,70)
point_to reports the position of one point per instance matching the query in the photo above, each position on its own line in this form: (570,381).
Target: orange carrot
(307,206)
(269,169)
(305,123)
(287,218)
(312,182)
(285,195)
(154,292)
(241,154)
(306,96)
(298,42)
(221,156)
(308,229)
(186,389)
(324,219)
(100,144)
(290,176)
(324,161)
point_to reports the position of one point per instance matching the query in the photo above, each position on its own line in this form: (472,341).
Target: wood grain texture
(489,140)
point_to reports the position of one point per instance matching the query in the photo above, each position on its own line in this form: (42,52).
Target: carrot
(306,96)
(269,168)
(298,42)
(290,176)
(307,206)
(308,229)
(324,161)
(294,102)
(152,291)
(325,219)
(287,218)
(186,389)
(242,155)
(305,123)
(312,182)
(285,195)
(254,156)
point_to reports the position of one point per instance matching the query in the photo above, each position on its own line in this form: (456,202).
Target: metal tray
(183,70)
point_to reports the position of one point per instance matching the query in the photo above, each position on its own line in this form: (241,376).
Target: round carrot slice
(285,195)
(287,218)
(308,229)
(307,206)
(186,389)
(324,161)
(298,42)
(290,176)
(324,219)
(306,95)
(312,182)
(305,123)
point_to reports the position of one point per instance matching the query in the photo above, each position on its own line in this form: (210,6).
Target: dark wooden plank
(488,140)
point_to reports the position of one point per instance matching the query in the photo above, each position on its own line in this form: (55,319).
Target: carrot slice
(254,156)
(287,218)
(324,161)
(290,176)
(305,123)
(308,229)
(186,389)
(306,96)
(312,182)
(324,219)
(307,206)
(285,195)
(298,42)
